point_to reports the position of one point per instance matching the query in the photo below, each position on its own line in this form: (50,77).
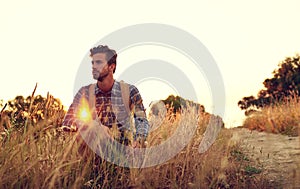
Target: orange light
(84,112)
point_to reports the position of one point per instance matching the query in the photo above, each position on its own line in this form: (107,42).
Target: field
(42,155)
(281,118)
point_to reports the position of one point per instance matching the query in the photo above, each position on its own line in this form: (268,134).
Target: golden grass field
(44,156)
(281,118)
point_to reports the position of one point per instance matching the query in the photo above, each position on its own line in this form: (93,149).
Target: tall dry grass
(281,118)
(46,157)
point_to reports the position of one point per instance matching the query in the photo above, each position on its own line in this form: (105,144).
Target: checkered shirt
(110,109)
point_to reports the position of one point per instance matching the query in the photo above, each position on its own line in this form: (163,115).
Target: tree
(34,109)
(285,82)
(178,103)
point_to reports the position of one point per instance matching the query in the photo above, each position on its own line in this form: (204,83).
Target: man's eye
(97,62)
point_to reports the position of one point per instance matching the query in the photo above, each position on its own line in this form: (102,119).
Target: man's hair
(111,55)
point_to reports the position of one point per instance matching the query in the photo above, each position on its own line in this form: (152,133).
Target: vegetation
(276,108)
(177,103)
(285,83)
(20,112)
(43,156)
(281,118)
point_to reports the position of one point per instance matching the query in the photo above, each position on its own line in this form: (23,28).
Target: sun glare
(84,113)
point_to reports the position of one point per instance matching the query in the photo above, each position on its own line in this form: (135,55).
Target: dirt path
(278,155)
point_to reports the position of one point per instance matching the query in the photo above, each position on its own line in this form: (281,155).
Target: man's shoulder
(85,89)
(131,87)
(87,86)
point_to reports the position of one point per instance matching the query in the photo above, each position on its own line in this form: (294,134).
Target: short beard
(102,77)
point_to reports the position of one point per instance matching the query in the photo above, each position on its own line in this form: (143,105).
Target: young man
(111,109)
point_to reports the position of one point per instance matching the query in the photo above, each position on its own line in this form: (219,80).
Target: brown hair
(111,55)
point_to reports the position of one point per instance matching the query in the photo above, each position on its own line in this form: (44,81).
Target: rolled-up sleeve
(140,118)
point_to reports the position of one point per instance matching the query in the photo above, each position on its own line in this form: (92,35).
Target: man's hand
(140,142)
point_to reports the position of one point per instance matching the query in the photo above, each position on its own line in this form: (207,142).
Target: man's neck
(106,85)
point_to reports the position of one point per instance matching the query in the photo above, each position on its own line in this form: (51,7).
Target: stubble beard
(101,77)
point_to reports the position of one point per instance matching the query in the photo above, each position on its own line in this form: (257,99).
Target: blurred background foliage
(284,84)
(21,111)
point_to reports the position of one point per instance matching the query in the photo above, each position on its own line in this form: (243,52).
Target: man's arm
(141,122)
(71,122)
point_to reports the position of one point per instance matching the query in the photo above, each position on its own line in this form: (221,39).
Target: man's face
(100,66)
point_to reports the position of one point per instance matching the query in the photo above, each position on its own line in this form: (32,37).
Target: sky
(45,42)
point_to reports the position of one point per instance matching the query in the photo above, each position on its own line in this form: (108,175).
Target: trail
(279,155)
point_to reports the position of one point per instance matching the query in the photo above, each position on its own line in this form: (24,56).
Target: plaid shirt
(110,109)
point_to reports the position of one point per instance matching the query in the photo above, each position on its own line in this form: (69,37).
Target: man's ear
(112,67)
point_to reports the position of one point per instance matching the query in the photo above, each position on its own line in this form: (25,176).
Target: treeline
(177,103)
(278,89)
(16,114)
(22,111)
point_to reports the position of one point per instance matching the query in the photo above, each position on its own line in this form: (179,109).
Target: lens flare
(84,113)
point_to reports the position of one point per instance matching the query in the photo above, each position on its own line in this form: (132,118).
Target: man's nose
(94,66)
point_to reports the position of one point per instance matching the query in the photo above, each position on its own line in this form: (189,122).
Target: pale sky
(45,42)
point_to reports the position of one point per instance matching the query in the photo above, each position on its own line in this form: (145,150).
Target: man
(111,109)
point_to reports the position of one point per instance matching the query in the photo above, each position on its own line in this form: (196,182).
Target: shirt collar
(113,90)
